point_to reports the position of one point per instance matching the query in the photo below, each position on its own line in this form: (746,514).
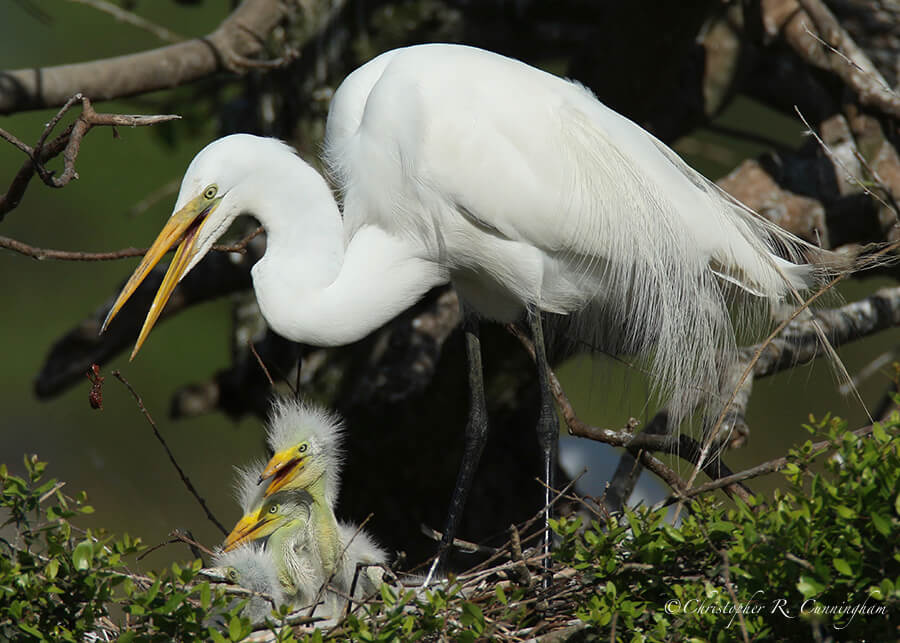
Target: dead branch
(642,444)
(771,466)
(799,342)
(68,143)
(848,61)
(239,37)
(67,255)
(805,25)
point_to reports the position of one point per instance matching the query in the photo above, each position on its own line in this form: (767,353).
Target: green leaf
(472,616)
(842,566)
(809,586)
(153,591)
(882,524)
(52,569)
(722,526)
(501,595)
(845,512)
(673,533)
(83,555)
(234,628)
(31,629)
(215,635)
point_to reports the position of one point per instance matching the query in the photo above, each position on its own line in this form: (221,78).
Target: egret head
(281,511)
(306,441)
(248,565)
(210,198)
(253,567)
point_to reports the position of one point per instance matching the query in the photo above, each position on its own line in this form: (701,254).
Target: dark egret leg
(476,436)
(548,422)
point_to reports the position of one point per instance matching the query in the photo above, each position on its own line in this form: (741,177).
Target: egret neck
(308,274)
(324,526)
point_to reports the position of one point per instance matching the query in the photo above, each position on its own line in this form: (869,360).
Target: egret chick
(306,442)
(359,548)
(253,568)
(295,542)
(290,540)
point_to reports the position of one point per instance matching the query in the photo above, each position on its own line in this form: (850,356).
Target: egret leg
(548,423)
(476,436)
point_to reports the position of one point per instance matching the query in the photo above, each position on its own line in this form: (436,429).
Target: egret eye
(273,509)
(304,447)
(210,192)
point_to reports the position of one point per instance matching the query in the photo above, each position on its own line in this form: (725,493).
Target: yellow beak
(249,527)
(182,226)
(283,468)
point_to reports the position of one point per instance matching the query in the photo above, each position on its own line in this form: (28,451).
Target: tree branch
(240,37)
(68,143)
(815,35)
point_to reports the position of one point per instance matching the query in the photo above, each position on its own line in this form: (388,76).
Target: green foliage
(58,583)
(793,565)
(798,565)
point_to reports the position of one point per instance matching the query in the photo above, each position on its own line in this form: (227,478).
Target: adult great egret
(531,196)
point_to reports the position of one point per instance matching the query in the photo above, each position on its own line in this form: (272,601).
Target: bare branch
(67,255)
(162,68)
(759,470)
(799,342)
(839,54)
(68,143)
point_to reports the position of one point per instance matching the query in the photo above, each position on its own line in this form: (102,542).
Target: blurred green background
(111,453)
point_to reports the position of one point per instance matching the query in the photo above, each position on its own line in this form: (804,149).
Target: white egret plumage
(313,554)
(251,567)
(454,163)
(306,445)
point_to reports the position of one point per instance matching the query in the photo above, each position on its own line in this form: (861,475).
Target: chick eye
(210,192)
(232,574)
(273,509)
(303,448)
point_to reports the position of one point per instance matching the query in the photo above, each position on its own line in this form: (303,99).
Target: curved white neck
(314,289)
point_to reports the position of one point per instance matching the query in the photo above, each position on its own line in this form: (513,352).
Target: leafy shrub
(818,561)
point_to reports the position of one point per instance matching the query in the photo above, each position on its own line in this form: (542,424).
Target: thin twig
(854,68)
(465,546)
(834,158)
(65,255)
(42,254)
(68,143)
(137,398)
(771,466)
(262,364)
(726,572)
(186,537)
(685,447)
